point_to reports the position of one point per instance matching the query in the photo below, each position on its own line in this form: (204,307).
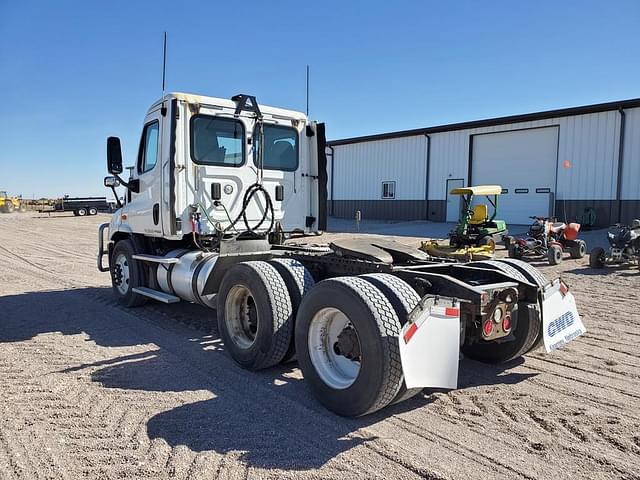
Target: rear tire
(403,299)
(9,207)
(255,318)
(93,211)
(525,331)
(82,212)
(554,254)
(126,274)
(298,281)
(597,258)
(342,384)
(578,249)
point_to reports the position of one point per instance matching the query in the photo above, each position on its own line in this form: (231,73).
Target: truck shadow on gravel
(270,416)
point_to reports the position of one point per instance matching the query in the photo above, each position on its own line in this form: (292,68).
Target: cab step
(156,295)
(156,259)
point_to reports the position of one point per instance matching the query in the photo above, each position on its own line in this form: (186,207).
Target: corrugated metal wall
(589,142)
(360,169)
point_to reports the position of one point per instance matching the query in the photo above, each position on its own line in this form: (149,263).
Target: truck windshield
(281,147)
(217,141)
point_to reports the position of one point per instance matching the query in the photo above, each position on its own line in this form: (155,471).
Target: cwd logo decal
(559,324)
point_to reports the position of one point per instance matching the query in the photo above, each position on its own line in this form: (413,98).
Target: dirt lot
(89,389)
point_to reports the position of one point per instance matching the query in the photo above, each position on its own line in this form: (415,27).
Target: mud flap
(561,322)
(430,346)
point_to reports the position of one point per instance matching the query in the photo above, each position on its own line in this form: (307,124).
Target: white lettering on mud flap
(560,320)
(430,348)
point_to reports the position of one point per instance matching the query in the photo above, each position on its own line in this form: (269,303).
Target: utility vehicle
(219,190)
(10,204)
(548,238)
(475,226)
(624,241)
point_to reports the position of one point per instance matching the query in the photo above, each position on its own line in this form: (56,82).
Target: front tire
(597,258)
(347,346)
(255,316)
(554,254)
(126,274)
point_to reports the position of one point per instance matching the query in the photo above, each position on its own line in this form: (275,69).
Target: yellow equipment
(10,204)
(466,254)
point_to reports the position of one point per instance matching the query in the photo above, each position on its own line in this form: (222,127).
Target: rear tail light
(487,328)
(506,323)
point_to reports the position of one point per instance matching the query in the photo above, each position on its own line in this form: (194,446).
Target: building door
(454,202)
(524,163)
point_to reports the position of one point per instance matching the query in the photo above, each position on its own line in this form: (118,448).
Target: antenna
(163,110)
(307,90)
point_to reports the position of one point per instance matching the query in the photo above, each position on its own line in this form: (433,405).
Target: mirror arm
(115,195)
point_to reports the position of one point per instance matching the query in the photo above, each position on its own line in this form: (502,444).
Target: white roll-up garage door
(522,161)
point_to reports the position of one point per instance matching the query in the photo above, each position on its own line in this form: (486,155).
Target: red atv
(548,238)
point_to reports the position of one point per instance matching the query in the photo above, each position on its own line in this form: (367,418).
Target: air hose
(248,195)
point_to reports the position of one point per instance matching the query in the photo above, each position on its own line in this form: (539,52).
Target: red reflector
(506,323)
(487,328)
(410,332)
(563,288)
(451,312)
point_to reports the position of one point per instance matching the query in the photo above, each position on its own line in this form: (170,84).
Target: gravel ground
(92,390)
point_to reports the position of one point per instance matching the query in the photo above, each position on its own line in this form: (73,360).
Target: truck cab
(196,156)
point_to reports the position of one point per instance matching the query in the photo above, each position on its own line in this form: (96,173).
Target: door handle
(156,213)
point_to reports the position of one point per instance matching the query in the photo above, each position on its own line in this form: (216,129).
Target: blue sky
(73,73)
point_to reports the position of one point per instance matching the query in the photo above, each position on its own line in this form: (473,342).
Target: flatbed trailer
(81,206)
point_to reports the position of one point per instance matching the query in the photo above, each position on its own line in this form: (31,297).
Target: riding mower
(548,238)
(624,241)
(475,227)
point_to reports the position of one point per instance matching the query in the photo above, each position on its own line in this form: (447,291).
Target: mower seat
(480,214)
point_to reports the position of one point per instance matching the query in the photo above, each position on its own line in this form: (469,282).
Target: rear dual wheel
(255,315)
(347,346)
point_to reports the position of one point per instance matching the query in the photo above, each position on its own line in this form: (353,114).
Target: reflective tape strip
(413,328)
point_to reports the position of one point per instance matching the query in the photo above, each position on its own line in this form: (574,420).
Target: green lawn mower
(475,227)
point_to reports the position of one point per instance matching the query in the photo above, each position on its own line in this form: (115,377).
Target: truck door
(144,207)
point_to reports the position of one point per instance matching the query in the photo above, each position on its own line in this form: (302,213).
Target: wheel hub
(334,348)
(348,344)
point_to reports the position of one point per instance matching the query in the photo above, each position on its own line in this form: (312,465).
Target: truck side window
(148,156)
(217,141)
(281,147)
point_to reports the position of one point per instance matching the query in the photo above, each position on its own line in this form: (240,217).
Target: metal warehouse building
(558,162)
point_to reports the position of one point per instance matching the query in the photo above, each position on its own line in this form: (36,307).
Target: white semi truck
(220,185)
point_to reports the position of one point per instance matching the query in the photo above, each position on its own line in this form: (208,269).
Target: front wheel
(487,242)
(347,346)
(514,250)
(126,274)
(597,258)
(554,254)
